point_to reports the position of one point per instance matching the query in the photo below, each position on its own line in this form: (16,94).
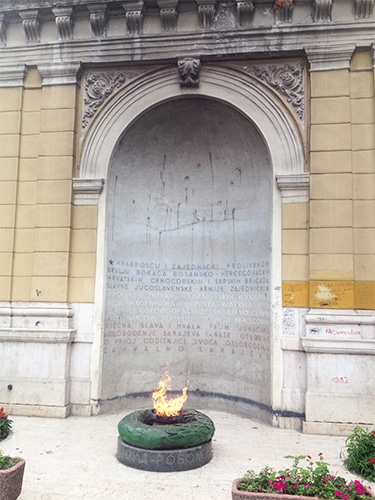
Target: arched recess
(280,132)
(253,99)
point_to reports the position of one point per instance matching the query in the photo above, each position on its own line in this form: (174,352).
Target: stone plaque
(188,254)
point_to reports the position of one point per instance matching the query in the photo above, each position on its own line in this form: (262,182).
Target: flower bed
(313,480)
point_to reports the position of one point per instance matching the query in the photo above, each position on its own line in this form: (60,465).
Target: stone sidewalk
(74,458)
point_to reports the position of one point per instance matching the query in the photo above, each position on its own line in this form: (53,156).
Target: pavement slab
(75,458)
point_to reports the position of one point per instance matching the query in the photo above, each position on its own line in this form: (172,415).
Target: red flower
(3,414)
(279,4)
(372,460)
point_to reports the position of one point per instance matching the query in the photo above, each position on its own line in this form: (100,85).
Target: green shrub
(5,424)
(7,462)
(360,447)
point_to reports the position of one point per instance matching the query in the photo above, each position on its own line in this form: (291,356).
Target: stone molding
(330,57)
(134,12)
(87,191)
(168,14)
(284,11)
(3,28)
(35,316)
(245,12)
(59,74)
(287,79)
(64,22)
(99,12)
(12,76)
(31,25)
(206,12)
(322,11)
(294,188)
(32,336)
(364,8)
(241,42)
(189,69)
(338,346)
(98,19)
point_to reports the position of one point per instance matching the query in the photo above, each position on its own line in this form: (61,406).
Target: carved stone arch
(280,131)
(279,128)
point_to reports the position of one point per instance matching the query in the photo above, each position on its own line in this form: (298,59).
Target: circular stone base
(164,460)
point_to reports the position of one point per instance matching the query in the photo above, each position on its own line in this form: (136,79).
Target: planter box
(11,481)
(246,495)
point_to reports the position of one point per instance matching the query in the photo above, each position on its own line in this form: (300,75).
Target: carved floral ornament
(286,79)
(189,69)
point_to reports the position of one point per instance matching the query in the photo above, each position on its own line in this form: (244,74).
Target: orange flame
(167,407)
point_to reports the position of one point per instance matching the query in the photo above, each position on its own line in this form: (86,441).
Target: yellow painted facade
(341,213)
(48,246)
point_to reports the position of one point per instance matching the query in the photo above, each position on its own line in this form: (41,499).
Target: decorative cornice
(168,14)
(63,20)
(12,76)
(30,25)
(98,19)
(245,12)
(189,69)
(254,42)
(330,57)
(87,191)
(134,16)
(294,188)
(363,8)
(322,11)
(287,79)
(98,86)
(3,28)
(206,12)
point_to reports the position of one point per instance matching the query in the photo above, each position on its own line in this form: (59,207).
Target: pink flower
(338,493)
(360,489)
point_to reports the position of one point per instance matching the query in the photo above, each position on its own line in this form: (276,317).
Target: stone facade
(82,84)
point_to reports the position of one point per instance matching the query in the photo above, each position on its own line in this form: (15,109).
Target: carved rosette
(284,11)
(322,11)
(245,12)
(98,19)
(63,20)
(189,69)
(98,86)
(31,25)
(286,79)
(363,8)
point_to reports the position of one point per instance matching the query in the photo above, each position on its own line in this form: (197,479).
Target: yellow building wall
(337,227)
(47,246)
